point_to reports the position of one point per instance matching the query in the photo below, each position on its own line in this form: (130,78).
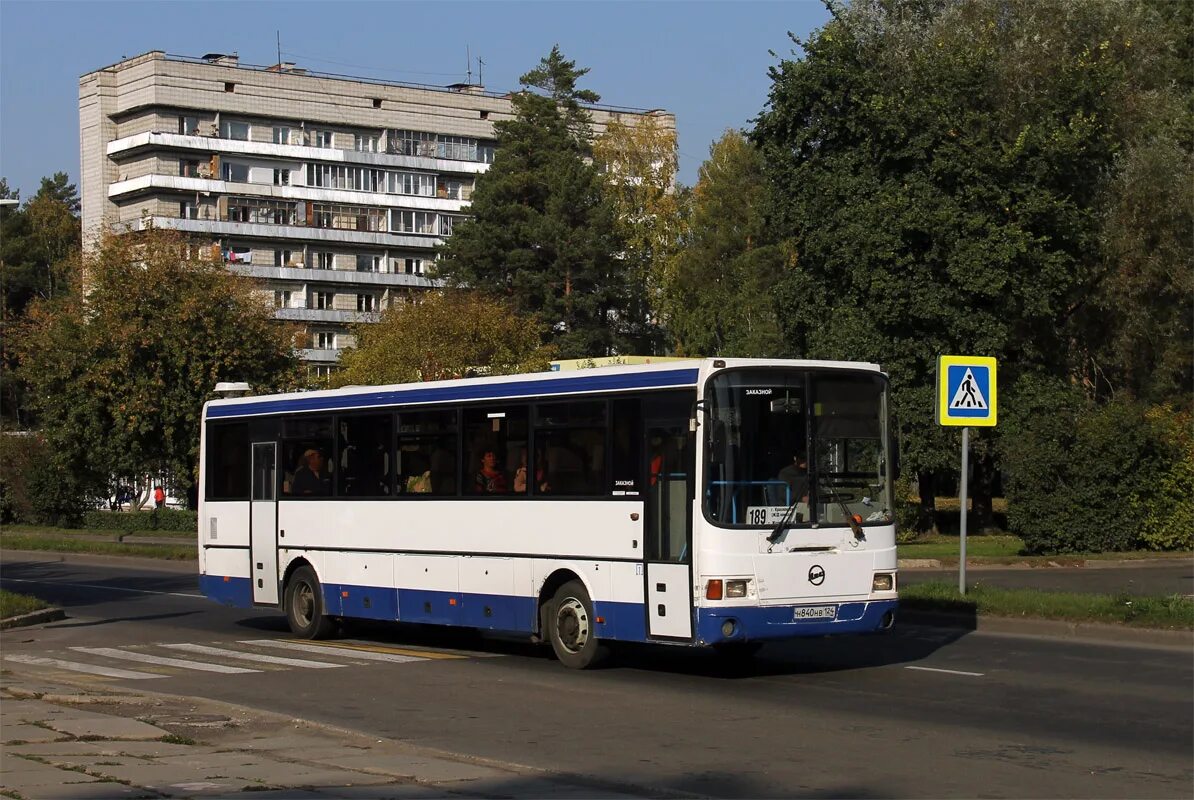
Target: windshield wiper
(851,520)
(781,529)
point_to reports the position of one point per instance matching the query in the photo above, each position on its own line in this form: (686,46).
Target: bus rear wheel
(304,606)
(570,627)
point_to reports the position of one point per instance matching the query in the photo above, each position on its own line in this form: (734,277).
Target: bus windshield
(808,444)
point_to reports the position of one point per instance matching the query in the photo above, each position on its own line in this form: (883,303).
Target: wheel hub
(572,625)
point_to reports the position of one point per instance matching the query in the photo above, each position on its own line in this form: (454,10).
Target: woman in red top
(490,479)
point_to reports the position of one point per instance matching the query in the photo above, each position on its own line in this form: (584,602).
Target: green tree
(438,335)
(119,378)
(944,170)
(543,232)
(639,162)
(719,288)
(36,245)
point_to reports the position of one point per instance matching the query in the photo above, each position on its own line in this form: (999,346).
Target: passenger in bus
(520,474)
(489,479)
(796,476)
(419,481)
(311,479)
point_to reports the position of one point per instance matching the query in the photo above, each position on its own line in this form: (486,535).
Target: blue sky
(704,61)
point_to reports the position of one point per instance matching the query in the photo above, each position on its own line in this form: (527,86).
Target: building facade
(331,192)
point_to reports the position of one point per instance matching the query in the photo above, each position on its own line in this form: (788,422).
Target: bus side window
(364,456)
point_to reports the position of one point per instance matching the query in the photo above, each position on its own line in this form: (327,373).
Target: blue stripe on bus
(229,591)
(776,622)
(443,394)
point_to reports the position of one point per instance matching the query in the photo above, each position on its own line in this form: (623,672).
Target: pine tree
(543,232)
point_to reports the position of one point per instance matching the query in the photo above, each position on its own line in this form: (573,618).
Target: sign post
(966,396)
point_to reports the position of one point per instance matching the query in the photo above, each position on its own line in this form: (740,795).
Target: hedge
(158,519)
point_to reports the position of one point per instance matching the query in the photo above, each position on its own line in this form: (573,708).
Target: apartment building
(332,192)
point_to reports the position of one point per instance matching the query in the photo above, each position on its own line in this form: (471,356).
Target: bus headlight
(736,588)
(883,582)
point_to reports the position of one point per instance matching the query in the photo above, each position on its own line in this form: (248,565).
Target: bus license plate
(814,612)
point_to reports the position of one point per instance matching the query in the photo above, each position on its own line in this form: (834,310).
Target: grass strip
(67,543)
(105,532)
(1007,549)
(14,605)
(1172,612)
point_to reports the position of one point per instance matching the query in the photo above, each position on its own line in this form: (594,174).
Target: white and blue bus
(721,503)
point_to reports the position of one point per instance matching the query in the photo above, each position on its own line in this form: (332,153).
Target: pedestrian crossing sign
(966,393)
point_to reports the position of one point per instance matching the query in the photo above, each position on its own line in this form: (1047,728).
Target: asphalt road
(921,712)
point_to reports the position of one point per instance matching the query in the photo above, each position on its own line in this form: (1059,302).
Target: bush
(907,511)
(35,489)
(1166,509)
(158,519)
(1076,474)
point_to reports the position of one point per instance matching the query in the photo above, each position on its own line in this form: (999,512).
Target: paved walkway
(68,743)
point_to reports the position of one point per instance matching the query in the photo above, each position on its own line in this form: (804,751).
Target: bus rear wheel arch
(305,612)
(571,627)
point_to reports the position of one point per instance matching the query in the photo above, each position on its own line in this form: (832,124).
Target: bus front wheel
(304,606)
(570,627)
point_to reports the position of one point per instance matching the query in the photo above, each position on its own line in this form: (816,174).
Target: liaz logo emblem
(816,575)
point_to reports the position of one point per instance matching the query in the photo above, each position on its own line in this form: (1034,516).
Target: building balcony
(258,230)
(318,356)
(131,145)
(333,276)
(326,315)
(176,183)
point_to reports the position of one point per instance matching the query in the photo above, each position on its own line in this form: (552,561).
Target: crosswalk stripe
(263,659)
(325,649)
(112,652)
(75,666)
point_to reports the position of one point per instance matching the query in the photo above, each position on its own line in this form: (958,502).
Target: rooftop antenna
(468,64)
(278,33)
(480,72)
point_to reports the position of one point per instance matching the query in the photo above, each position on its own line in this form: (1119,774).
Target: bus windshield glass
(808,445)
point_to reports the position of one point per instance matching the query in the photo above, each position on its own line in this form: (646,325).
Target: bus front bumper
(756,624)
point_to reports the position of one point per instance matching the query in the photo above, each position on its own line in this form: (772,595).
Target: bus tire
(570,627)
(304,606)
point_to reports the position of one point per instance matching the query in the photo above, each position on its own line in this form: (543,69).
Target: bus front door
(263,525)
(668,536)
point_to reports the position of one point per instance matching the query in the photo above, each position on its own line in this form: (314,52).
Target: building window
(321,139)
(366,302)
(281,177)
(348,218)
(325,340)
(261,211)
(321,300)
(189,168)
(237,173)
(229,86)
(365,142)
(230,129)
(453,189)
(485,152)
(412,143)
(456,148)
(446,223)
(323,260)
(281,299)
(238,255)
(282,135)
(188,210)
(188,126)
(413,266)
(414,222)
(368,263)
(281,258)
(323,372)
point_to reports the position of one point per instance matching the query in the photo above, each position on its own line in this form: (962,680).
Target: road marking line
(949,671)
(97,586)
(348,652)
(75,666)
(112,652)
(399,651)
(224,653)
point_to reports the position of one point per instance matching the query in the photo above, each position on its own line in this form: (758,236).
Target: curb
(1121,635)
(32,618)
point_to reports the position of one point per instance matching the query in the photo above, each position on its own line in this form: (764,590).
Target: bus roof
(673,374)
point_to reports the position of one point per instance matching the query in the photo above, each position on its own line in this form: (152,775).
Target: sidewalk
(70,742)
